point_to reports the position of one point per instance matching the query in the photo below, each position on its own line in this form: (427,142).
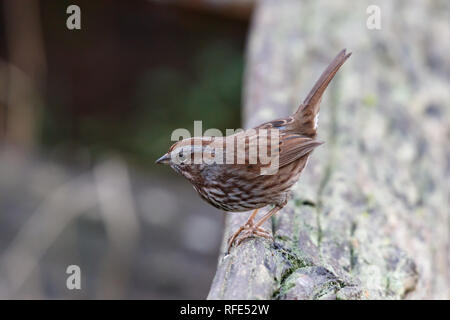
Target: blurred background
(83,116)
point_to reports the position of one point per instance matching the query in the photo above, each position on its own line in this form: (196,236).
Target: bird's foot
(247,231)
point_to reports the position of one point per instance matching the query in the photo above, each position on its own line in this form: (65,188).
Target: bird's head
(186,156)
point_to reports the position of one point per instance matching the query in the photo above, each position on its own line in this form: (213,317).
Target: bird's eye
(182,157)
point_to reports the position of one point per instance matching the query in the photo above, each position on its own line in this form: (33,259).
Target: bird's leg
(251,218)
(253,229)
(267,216)
(247,225)
(256,228)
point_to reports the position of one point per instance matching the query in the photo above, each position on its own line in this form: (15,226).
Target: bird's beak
(165,159)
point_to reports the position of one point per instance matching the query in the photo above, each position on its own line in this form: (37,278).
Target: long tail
(306,115)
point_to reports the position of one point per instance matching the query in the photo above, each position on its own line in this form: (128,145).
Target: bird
(240,183)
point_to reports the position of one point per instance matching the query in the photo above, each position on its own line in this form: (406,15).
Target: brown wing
(294,146)
(290,147)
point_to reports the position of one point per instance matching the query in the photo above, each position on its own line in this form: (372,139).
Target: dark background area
(137,71)
(84,114)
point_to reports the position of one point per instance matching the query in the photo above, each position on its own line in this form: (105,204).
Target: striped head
(187,156)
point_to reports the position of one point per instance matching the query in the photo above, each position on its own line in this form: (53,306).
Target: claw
(245,232)
(251,233)
(252,229)
(233,238)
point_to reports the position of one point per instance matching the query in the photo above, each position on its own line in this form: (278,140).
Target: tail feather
(309,109)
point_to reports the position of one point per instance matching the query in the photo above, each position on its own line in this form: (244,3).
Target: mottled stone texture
(369,217)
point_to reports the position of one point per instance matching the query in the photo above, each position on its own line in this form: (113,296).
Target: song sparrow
(240,185)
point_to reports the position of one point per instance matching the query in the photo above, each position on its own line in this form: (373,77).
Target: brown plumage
(242,183)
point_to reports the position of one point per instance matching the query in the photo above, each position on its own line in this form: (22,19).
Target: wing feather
(294,146)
